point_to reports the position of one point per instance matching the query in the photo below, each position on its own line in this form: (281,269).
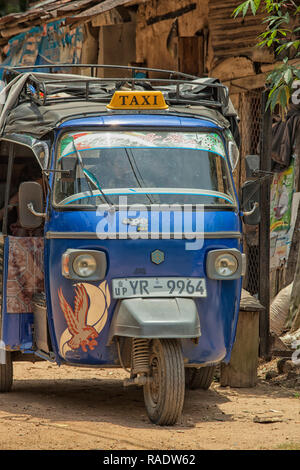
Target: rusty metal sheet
(77,5)
(10,18)
(106,5)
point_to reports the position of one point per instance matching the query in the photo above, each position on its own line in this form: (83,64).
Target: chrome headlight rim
(226,264)
(84,265)
(71,257)
(213,255)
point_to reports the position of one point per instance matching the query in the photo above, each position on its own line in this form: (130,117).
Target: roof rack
(58,85)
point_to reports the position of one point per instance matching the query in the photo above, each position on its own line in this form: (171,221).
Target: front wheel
(6,373)
(164,393)
(199,378)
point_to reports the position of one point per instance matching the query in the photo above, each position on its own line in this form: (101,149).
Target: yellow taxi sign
(137,100)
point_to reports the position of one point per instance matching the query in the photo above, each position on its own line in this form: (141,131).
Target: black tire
(199,378)
(6,374)
(164,396)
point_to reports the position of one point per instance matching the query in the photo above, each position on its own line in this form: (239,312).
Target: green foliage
(12,6)
(289,446)
(282,33)
(281,81)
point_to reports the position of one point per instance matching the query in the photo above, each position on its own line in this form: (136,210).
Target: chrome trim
(244,264)
(146,235)
(39,147)
(137,191)
(33,211)
(210,264)
(71,254)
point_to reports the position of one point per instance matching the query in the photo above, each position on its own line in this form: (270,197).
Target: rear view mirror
(250,195)
(31,205)
(252,164)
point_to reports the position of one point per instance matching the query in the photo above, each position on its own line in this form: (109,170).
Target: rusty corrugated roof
(49,10)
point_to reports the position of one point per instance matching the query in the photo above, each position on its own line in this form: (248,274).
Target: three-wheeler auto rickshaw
(121,240)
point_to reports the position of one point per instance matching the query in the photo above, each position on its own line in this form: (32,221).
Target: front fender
(155,318)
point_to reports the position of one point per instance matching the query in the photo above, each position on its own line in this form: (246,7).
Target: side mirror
(252,164)
(31,205)
(250,195)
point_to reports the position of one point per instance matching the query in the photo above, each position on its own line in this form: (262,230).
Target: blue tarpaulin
(50,44)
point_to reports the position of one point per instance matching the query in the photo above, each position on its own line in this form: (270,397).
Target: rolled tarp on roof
(31,118)
(37,120)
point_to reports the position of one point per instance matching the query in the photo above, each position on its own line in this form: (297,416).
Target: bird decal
(82,334)
(87,320)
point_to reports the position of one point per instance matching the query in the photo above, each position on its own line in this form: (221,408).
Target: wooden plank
(228,25)
(263,55)
(107,18)
(75,6)
(11,18)
(233,52)
(233,36)
(233,68)
(23,18)
(242,368)
(249,303)
(136,2)
(96,10)
(251,83)
(190,55)
(247,83)
(10,32)
(264,228)
(171,14)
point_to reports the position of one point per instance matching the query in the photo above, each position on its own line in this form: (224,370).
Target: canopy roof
(37,121)
(36,103)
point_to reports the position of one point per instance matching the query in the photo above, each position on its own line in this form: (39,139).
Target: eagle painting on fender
(88,318)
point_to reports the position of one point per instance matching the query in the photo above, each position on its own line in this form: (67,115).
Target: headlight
(80,264)
(84,265)
(226,265)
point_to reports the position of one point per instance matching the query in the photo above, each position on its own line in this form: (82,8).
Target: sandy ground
(54,408)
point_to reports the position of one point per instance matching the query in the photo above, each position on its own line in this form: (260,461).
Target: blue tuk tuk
(121,241)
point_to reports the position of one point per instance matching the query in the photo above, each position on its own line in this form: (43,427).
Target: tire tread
(201,378)
(173,387)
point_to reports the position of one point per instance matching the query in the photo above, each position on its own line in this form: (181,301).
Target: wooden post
(264,229)
(242,368)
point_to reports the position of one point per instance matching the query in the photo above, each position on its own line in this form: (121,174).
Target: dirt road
(67,408)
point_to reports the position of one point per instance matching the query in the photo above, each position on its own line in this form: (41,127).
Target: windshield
(148,167)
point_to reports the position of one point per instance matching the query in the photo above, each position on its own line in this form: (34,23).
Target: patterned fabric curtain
(25,273)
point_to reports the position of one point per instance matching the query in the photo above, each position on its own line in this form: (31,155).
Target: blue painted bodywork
(218,312)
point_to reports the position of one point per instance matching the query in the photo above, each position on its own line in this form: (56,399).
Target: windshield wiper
(91,178)
(136,172)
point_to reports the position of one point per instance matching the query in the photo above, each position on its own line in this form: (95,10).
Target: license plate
(158,287)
